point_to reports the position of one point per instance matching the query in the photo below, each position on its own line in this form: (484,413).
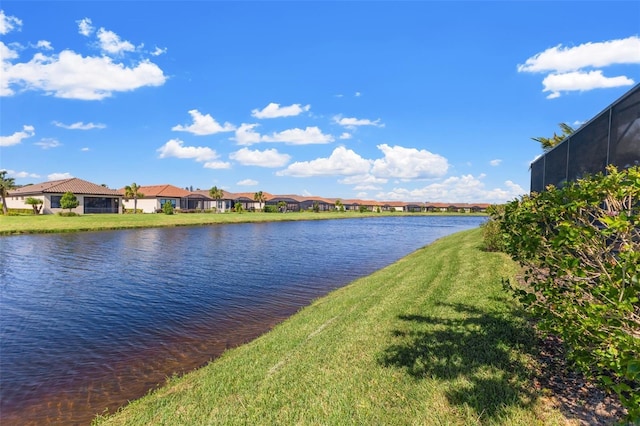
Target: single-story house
(92,198)
(155,196)
(196,201)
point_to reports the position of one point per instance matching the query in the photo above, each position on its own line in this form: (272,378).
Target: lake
(91,320)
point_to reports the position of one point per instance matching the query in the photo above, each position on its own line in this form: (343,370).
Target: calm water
(91,320)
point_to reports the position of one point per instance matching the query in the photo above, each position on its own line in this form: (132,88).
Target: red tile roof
(161,191)
(75,185)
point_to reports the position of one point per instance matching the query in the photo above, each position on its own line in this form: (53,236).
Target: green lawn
(431,339)
(30,224)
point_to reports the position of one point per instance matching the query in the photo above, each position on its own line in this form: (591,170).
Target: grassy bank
(431,339)
(32,224)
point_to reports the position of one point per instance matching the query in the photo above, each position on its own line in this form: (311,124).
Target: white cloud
(581,81)
(572,68)
(203,125)
(409,163)
(9,23)
(85,149)
(72,76)
(274,110)
(84,27)
(342,161)
(461,189)
(158,51)
(357,94)
(597,55)
(345,135)
(352,122)
(495,162)
(111,43)
(59,176)
(48,143)
(175,148)
(79,126)
(247,182)
(217,165)
(307,136)
(17,137)
(266,158)
(362,182)
(245,135)
(44,45)
(21,175)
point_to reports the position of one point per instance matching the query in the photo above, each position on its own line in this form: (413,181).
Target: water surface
(91,320)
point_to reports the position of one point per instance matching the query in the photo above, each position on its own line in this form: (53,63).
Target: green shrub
(69,201)
(68,214)
(492,238)
(580,249)
(167,208)
(19,212)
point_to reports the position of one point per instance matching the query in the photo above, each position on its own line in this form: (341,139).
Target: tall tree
(548,143)
(217,194)
(133,192)
(6,185)
(260,198)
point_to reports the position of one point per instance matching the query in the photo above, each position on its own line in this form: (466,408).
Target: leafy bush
(167,208)
(492,238)
(68,214)
(270,209)
(19,212)
(580,248)
(69,201)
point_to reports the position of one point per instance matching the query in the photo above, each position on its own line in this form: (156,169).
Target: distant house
(289,203)
(92,198)
(155,196)
(197,201)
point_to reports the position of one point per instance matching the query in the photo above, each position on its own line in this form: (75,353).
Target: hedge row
(580,250)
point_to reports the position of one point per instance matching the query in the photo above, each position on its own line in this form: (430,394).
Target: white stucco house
(92,198)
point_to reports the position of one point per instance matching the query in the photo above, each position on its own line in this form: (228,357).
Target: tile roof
(161,191)
(75,185)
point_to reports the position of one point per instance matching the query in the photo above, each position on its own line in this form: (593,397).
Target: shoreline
(429,339)
(47,224)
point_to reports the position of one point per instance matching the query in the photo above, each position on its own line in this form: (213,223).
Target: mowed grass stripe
(431,339)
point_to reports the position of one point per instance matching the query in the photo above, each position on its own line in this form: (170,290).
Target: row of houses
(95,198)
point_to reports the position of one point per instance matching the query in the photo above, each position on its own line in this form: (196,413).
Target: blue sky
(411,101)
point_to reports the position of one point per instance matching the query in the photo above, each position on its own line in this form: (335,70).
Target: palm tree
(339,205)
(35,203)
(133,192)
(217,195)
(548,143)
(260,198)
(6,185)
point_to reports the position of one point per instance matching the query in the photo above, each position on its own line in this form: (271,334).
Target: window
(164,200)
(55,201)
